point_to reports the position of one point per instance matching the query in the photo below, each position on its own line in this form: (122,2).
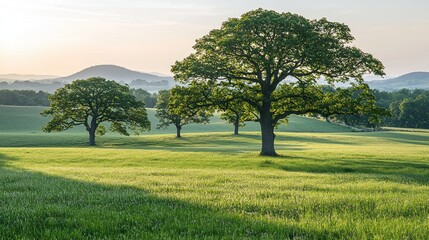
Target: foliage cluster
(148,98)
(24,98)
(408,109)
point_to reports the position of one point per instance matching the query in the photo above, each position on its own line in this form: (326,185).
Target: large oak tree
(93,101)
(256,55)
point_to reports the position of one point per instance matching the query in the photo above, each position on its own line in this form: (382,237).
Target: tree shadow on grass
(4,158)
(226,143)
(389,170)
(39,206)
(400,137)
(198,142)
(285,140)
(188,143)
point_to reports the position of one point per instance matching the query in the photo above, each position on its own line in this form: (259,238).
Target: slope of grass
(21,120)
(214,185)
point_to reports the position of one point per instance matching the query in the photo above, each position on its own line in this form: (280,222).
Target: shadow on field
(286,139)
(201,143)
(401,137)
(4,158)
(167,142)
(39,206)
(395,171)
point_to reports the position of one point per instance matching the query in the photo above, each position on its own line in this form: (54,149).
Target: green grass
(326,185)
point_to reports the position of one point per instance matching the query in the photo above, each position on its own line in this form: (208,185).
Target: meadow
(329,183)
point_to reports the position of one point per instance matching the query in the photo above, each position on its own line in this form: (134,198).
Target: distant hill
(113,72)
(411,80)
(135,79)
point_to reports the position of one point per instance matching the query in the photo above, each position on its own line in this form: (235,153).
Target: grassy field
(326,185)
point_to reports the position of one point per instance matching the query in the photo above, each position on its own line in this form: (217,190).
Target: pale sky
(60,37)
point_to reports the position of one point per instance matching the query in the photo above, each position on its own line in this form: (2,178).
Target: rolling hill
(23,120)
(411,80)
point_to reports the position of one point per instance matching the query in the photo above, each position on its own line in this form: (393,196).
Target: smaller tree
(234,112)
(169,112)
(414,112)
(208,98)
(93,101)
(234,117)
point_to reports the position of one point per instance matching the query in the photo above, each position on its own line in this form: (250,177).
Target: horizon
(37,77)
(60,38)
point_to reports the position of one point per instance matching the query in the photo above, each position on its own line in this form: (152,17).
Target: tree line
(24,98)
(407,109)
(41,98)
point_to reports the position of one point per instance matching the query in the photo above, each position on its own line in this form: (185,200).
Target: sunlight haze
(61,37)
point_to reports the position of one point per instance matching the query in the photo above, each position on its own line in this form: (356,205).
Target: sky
(60,37)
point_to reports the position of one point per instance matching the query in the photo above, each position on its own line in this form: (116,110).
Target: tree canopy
(93,101)
(271,61)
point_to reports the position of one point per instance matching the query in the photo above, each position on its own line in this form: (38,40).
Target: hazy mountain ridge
(24,77)
(135,79)
(151,82)
(411,80)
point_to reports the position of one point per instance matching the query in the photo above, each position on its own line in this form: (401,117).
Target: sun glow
(20,30)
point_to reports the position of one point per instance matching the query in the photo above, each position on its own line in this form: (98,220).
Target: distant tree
(93,101)
(144,96)
(168,114)
(255,54)
(234,113)
(414,112)
(406,106)
(395,114)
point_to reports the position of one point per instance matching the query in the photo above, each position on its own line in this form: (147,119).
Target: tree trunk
(236,126)
(92,130)
(91,137)
(178,129)
(268,136)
